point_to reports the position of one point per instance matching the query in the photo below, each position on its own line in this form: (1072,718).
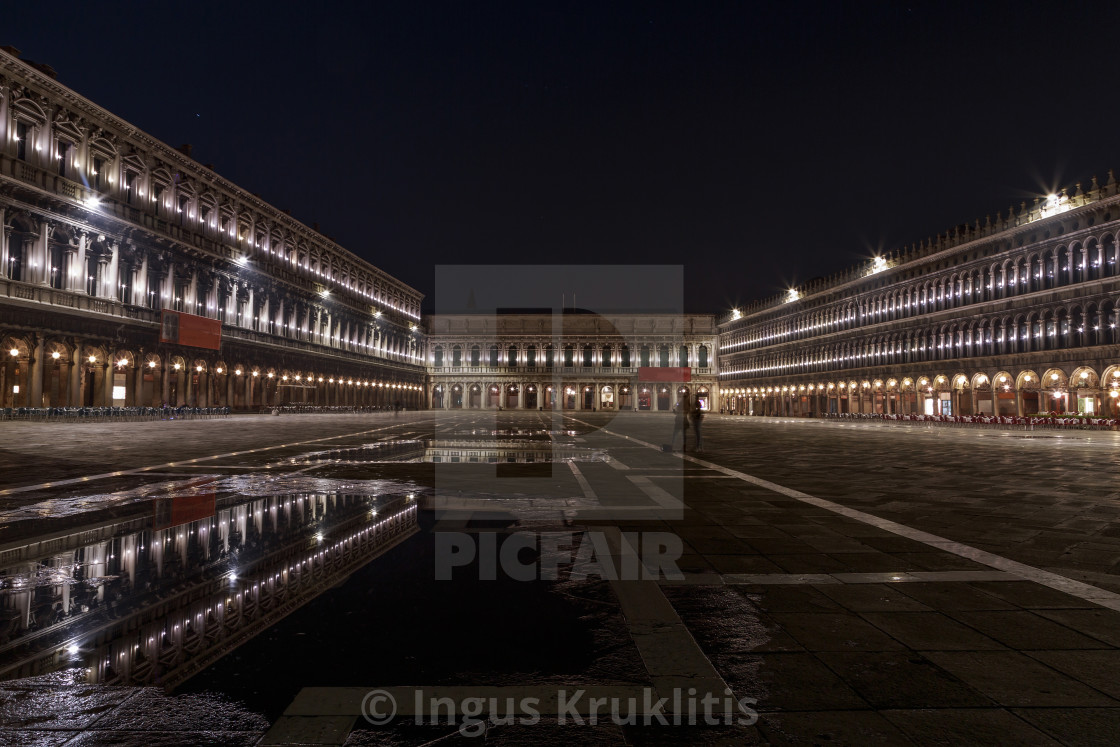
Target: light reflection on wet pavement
(789,604)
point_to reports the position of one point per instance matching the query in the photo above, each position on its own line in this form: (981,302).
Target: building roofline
(10,63)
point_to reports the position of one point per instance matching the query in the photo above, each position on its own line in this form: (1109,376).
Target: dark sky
(757,144)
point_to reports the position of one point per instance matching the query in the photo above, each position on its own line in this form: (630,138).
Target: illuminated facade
(1010,316)
(104,227)
(571,361)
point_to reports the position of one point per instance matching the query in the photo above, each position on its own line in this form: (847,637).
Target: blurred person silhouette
(697,419)
(680,425)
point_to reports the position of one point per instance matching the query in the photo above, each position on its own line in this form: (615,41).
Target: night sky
(757,144)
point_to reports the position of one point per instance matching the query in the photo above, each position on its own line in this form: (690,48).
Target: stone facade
(572,361)
(1010,316)
(104,227)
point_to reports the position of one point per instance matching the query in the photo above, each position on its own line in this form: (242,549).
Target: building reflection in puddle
(464,450)
(156,597)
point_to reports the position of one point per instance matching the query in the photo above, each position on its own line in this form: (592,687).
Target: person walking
(697,419)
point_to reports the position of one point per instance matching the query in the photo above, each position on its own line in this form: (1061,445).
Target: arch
(1028,380)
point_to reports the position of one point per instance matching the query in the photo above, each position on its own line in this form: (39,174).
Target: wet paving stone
(823,618)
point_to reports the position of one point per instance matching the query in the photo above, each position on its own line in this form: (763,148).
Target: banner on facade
(183,509)
(668,374)
(190,330)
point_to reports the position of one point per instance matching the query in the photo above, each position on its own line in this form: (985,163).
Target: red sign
(171,512)
(669,374)
(188,329)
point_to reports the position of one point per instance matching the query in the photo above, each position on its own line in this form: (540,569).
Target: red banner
(669,374)
(171,512)
(188,329)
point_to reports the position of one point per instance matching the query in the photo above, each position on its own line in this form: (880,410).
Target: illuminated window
(21,141)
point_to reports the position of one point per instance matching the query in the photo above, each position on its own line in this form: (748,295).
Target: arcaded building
(1011,315)
(572,360)
(132,275)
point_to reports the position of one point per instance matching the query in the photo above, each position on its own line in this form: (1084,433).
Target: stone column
(108,382)
(76,375)
(35,371)
(165,380)
(42,257)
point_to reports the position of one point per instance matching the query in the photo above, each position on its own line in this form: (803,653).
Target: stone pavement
(860,583)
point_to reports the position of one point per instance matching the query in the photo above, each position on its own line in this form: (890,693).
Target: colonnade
(1018,391)
(36,371)
(597,395)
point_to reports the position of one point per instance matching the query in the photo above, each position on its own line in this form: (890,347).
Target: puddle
(158,595)
(511,433)
(253,484)
(392,623)
(453,451)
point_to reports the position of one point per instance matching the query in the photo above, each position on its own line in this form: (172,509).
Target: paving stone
(1091,727)
(1023,630)
(829,727)
(983,727)
(790,682)
(1013,679)
(1010,497)
(953,596)
(930,631)
(902,680)
(872,598)
(1097,669)
(1104,625)
(834,632)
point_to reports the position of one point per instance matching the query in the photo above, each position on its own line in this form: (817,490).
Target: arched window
(456,356)
(569,356)
(663,356)
(493,355)
(511,356)
(624,355)
(531,355)
(682,356)
(437,359)
(550,356)
(588,355)
(643,356)
(702,356)
(476,355)
(606,356)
